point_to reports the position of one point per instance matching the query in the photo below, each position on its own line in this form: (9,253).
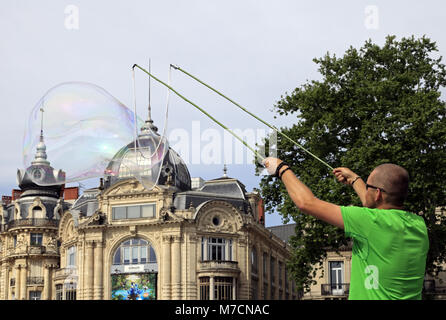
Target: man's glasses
(373,187)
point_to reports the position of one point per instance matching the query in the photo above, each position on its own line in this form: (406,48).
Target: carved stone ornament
(128,188)
(97,218)
(219,216)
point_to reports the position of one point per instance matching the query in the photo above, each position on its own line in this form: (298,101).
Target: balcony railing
(33,223)
(34,280)
(65,273)
(335,289)
(219,265)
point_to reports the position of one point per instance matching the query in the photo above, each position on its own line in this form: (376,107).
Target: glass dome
(150,160)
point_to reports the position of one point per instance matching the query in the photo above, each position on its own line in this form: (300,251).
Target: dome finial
(148,125)
(225,170)
(41,156)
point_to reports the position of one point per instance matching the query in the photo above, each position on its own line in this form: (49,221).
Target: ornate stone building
(184,239)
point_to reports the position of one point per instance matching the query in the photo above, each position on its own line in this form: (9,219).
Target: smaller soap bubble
(141,159)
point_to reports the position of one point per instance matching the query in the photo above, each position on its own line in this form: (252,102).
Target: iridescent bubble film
(142,160)
(84,128)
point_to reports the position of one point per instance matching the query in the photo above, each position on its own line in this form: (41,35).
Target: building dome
(40,170)
(173,170)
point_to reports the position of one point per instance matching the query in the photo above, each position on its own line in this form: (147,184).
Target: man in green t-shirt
(389,244)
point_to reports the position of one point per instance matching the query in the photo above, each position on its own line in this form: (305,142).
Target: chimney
(71,193)
(16,194)
(261,212)
(6,200)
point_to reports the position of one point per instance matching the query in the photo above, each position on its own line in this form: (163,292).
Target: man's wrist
(279,168)
(282,172)
(354,180)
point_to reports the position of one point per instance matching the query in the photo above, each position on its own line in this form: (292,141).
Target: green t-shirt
(389,253)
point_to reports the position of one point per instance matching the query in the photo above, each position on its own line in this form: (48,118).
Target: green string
(203,111)
(251,114)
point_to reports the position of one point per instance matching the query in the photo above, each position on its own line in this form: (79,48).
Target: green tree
(373,105)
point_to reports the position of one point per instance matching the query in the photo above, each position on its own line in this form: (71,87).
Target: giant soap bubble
(88,133)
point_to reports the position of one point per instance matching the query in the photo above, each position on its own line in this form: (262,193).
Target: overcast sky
(254,51)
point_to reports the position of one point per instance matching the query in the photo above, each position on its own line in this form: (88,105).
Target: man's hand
(271,164)
(345,175)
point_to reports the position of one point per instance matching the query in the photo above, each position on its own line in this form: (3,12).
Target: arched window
(134,251)
(37,212)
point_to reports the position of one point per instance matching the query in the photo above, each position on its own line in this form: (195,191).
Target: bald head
(394,180)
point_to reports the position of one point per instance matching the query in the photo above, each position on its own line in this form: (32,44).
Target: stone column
(205,250)
(260,271)
(191,277)
(23,273)
(6,287)
(7,283)
(165,268)
(176,268)
(46,283)
(89,271)
(211,288)
(17,282)
(98,274)
(234,288)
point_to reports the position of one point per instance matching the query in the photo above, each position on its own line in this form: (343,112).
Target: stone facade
(212,251)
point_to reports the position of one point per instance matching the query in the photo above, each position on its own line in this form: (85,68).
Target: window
(265,267)
(59,292)
(134,212)
(254,260)
(71,257)
(265,290)
(15,241)
(37,213)
(286,285)
(336,277)
(204,288)
(70,291)
(273,278)
(34,295)
(223,288)
(280,274)
(273,273)
(216,249)
(134,251)
(133,161)
(255,289)
(36,239)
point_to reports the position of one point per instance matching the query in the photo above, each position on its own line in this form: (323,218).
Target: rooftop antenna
(41,123)
(149,118)
(149,126)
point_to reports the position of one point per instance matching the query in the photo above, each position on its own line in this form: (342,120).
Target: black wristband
(278,168)
(281,175)
(358,177)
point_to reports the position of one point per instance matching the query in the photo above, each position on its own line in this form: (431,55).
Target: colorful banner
(139,286)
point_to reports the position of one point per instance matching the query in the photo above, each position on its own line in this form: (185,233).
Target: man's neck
(389,206)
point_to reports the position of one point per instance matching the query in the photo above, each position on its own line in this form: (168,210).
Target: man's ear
(379,196)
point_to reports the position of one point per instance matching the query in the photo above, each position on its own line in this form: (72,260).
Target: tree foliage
(374,105)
